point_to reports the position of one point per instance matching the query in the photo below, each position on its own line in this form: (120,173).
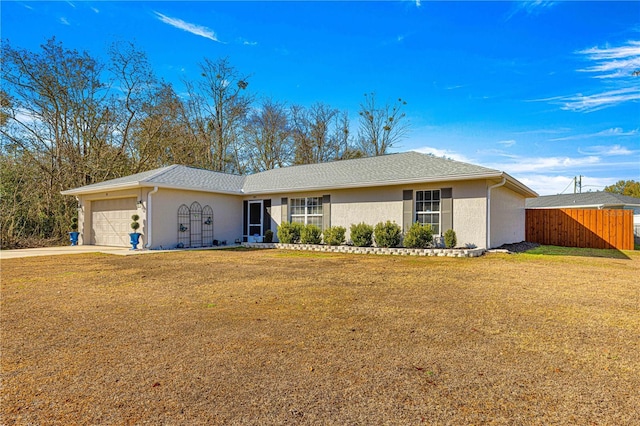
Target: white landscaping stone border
(371,250)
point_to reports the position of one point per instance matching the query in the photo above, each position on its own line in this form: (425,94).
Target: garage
(111,221)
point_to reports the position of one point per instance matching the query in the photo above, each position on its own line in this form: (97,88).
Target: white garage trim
(111,221)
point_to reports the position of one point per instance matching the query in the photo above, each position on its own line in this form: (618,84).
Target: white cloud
(613,62)
(545,184)
(598,101)
(443,153)
(607,151)
(96,10)
(545,164)
(530,7)
(612,132)
(249,43)
(64,21)
(507,143)
(195,29)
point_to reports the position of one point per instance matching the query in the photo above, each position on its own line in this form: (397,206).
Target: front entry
(254,219)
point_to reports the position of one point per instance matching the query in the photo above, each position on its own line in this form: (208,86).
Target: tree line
(68,119)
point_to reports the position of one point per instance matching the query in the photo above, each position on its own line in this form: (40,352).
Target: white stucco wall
(470,213)
(368,205)
(227,215)
(373,205)
(507,217)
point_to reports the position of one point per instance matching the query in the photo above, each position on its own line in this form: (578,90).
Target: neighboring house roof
(598,199)
(391,169)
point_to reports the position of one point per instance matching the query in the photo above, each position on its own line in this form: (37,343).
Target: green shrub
(311,234)
(361,234)
(135,225)
(387,234)
(419,236)
(450,239)
(74,223)
(268,236)
(334,236)
(289,233)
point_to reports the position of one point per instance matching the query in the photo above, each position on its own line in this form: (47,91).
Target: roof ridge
(160,172)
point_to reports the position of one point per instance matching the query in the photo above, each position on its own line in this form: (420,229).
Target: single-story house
(181,206)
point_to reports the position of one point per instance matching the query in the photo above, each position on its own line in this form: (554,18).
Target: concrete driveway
(120,251)
(52,251)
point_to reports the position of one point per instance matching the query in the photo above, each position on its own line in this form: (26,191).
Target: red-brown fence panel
(589,228)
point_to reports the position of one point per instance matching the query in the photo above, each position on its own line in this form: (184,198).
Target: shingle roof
(389,169)
(174,176)
(585,199)
(370,171)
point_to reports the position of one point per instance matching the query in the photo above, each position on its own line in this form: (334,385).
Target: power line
(567,186)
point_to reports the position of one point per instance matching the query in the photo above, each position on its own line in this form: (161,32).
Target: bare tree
(320,134)
(69,120)
(216,110)
(381,127)
(58,118)
(268,136)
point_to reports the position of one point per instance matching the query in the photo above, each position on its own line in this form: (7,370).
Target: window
(428,209)
(307,210)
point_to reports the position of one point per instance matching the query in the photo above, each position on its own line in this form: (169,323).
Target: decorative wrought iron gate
(184,239)
(195,226)
(207,226)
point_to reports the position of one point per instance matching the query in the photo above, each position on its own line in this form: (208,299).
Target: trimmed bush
(135,225)
(387,234)
(268,236)
(419,236)
(450,239)
(361,234)
(311,234)
(289,233)
(74,224)
(334,236)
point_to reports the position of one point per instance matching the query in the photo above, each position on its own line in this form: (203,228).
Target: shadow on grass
(575,251)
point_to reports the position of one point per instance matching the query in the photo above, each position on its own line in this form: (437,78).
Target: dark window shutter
(245,213)
(407,209)
(266,216)
(446,209)
(326,211)
(284,210)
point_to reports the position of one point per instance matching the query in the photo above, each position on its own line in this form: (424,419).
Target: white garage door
(111,221)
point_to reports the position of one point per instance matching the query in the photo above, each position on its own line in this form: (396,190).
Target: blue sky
(540,89)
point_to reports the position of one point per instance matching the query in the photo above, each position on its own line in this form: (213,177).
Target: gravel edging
(441,252)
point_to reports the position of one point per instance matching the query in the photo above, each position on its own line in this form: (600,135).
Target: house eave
(136,185)
(587,206)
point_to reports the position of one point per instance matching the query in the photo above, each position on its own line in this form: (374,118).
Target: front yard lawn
(274,337)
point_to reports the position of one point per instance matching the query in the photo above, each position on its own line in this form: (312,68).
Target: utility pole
(577,184)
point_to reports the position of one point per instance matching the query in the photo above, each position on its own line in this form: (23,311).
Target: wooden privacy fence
(589,228)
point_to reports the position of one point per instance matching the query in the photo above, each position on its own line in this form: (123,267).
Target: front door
(254,220)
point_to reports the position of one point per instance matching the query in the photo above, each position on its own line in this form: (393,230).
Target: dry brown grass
(273,337)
